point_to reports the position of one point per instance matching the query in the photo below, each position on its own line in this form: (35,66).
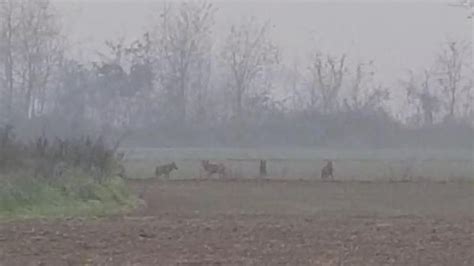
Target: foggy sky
(398,35)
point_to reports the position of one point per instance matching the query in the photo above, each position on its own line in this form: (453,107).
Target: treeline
(180,85)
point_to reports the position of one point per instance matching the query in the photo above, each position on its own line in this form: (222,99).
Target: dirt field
(262,223)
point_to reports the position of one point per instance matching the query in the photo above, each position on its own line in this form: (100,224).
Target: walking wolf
(212,168)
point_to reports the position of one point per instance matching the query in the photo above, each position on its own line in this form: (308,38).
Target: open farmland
(277,221)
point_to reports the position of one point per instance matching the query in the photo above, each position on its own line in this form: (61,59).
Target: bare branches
(449,68)
(327,76)
(422,95)
(183,37)
(32,47)
(444,90)
(248,52)
(364,92)
(9,22)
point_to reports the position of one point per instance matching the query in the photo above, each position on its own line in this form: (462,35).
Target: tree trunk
(263,168)
(452,104)
(239,130)
(9,69)
(181,101)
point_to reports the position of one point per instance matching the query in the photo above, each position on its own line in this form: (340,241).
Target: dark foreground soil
(151,237)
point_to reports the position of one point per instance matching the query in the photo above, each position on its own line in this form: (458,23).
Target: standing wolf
(327,171)
(212,168)
(165,169)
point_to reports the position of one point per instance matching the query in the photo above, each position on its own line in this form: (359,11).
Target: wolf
(212,168)
(327,171)
(165,169)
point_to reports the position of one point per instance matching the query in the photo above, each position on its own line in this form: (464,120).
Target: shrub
(57,173)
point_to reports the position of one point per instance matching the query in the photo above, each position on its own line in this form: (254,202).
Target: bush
(60,174)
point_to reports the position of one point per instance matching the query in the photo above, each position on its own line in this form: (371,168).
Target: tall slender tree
(248,52)
(181,39)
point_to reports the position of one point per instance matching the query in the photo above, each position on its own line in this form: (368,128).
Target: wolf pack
(219,169)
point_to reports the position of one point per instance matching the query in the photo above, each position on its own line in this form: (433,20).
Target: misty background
(348,74)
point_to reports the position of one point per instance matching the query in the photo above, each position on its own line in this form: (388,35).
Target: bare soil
(261,223)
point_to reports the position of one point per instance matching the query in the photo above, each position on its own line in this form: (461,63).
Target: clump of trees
(444,92)
(179,84)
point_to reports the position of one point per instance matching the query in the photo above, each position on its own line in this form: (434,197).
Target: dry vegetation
(59,176)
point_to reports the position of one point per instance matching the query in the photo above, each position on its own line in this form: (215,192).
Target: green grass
(25,197)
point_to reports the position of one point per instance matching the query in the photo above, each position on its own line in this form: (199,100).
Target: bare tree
(422,95)
(449,70)
(111,86)
(123,83)
(248,52)
(141,81)
(181,38)
(31,49)
(294,83)
(200,84)
(39,51)
(326,81)
(9,23)
(70,99)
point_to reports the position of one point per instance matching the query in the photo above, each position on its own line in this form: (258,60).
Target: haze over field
(323,73)
(236,132)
